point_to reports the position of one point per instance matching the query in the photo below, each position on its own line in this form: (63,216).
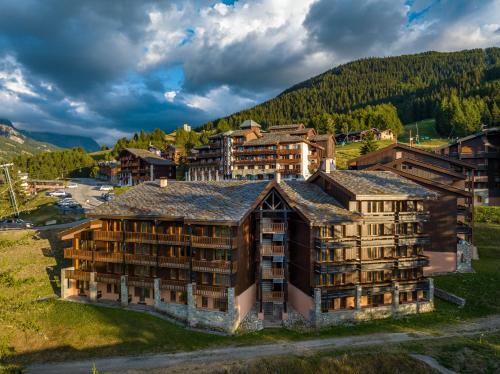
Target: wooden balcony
(208,242)
(170,239)
(173,262)
(412,239)
(273,228)
(406,263)
(413,216)
(114,257)
(109,236)
(78,275)
(289,171)
(173,285)
(210,291)
(377,240)
(136,281)
(273,273)
(288,161)
(288,151)
(273,296)
(214,266)
(272,250)
(139,259)
(254,152)
(77,254)
(108,278)
(140,237)
(256,161)
(379,216)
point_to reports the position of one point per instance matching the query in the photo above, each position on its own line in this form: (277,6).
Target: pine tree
(369,144)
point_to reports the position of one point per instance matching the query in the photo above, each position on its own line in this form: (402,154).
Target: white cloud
(12,78)
(170,95)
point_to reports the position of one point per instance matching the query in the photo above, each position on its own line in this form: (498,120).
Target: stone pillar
(124,290)
(157,292)
(93,287)
(191,306)
(151,173)
(395,297)
(317,307)
(231,310)
(357,297)
(64,282)
(431,290)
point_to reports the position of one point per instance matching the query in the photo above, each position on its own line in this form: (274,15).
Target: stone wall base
(366,314)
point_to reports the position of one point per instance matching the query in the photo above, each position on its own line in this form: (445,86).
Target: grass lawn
(347,152)
(58,330)
(429,138)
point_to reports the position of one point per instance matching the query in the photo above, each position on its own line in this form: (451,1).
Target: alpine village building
(342,246)
(450,226)
(293,151)
(483,151)
(140,165)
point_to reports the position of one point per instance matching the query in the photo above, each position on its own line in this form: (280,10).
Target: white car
(106,187)
(58,193)
(72,185)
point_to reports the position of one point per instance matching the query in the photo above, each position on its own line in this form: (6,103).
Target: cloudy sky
(108,68)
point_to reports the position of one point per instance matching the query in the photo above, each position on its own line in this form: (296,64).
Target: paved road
(145,363)
(87,192)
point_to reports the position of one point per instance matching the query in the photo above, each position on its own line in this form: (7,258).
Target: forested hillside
(415,84)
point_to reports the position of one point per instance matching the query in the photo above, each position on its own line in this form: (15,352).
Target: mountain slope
(14,143)
(64,140)
(413,83)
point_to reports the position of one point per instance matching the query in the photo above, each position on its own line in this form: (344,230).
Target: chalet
(451,215)
(483,151)
(293,151)
(140,165)
(342,246)
(173,153)
(109,171)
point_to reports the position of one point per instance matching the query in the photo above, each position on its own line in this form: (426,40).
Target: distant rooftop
(149,157)
(376,183)
(248,124)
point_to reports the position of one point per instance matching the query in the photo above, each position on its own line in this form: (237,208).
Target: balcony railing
(273,296)
(377,240)
(413,216)
(215,266)
(113,236)
(108,278)
(272,250)
(420,261)
(273,273)
(108,257)
(78,275)
(77,254)
(271,228)
(412,239)
(139,259)
(210,291)
(208,242)
(173,262)
(288,151)
(140,281)
(170,239)
(173,285)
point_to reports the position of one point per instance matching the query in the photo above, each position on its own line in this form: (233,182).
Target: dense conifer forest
(418,86)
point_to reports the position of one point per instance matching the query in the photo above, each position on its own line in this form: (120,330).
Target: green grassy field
(347,152)
(58,330)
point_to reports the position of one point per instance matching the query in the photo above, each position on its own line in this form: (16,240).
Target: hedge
(487,214)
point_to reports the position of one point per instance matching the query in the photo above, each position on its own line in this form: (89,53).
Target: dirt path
(136,364)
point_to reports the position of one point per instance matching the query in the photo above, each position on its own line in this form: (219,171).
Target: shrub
(487,214)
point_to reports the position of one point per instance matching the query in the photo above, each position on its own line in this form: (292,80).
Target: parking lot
(87,193)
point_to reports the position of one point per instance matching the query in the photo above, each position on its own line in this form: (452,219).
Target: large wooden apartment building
(293,151)
(451,215)
(140,165)
(483,151)
(342,246)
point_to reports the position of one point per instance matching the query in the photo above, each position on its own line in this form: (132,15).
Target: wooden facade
(292,151)
(139,165)
(483,151)
(320,239)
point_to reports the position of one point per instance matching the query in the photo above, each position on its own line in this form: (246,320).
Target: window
(108,288)
(173,296)
(204,302)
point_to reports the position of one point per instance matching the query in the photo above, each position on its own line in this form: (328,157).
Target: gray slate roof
(274,138)
(314,203)
(149,157)
(362,183)
(223,201)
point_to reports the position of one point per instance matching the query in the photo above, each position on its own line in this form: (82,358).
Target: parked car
(108,196)
(58,193)
(15,223)
(106,187)
(72,185)
(66,202)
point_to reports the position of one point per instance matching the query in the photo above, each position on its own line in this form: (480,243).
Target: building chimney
(328,165)
(163,182)
(277,177)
